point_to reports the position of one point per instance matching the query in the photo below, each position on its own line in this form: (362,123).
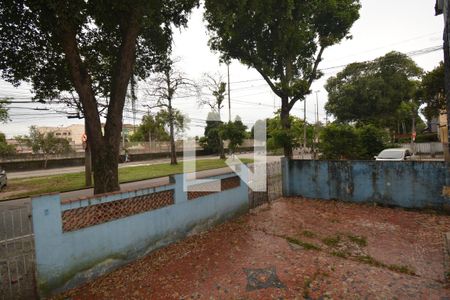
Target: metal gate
(17,263)
(274,186)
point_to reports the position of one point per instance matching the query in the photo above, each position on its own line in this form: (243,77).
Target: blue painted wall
(412,184)
(66,259)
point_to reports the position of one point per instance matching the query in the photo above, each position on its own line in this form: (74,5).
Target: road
(5,205)
(68,170)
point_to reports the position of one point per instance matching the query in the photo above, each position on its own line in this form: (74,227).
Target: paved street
(68,170)
(293,249)
(125,186)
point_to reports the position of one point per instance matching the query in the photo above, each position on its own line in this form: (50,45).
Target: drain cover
(262,279)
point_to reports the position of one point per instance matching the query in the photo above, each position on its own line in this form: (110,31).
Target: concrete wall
(65,259)
(411,184)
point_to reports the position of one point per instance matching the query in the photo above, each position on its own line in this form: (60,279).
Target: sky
(384,25)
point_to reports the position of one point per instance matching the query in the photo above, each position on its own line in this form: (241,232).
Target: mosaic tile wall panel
(226,184)
(78,218)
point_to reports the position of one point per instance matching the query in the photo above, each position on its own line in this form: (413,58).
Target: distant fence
(425,148)
(78,240)
(412,184)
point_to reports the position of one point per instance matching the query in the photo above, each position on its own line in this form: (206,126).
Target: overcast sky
(384,25)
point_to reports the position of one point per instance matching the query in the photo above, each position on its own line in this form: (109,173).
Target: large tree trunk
(105,165)
(286,125)
(105,147)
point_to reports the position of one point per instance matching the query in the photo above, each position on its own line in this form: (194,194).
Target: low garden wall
(409,184)
(81,239)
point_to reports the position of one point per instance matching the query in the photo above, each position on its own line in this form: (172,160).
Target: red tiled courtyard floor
(293,249)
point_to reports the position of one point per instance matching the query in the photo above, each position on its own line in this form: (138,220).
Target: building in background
(443,128)
(72,133)
(442,7)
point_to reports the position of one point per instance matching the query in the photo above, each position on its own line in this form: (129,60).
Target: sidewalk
(293,249)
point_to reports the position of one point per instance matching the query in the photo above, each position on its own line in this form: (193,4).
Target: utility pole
(317,107)
(133,99)
(316,129)
(304,125)
(229,92)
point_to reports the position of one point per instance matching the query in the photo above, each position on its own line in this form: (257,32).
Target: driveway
(293,249)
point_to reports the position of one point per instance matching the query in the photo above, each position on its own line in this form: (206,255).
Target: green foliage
(32,31)
(94,49)
(45,143)
(303,244)
(269,35)
(235,132)
(371,141)
(358,240)
(150,127)
(277,137)
(343,141)
(216,91)
(369,92)
(338,141)
(332,241)
(211,140)
(155,126)
(432,91)
(427,138)
(282,40)
(4,117)
(5,149)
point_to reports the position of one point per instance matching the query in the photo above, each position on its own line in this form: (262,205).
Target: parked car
(3,179)
(395,154)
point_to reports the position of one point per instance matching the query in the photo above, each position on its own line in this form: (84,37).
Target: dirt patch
(294,249)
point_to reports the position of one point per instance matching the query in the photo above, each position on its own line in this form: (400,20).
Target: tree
(151,129)
(343,141)
(216,87)
(432,92)
(235,132)
(6,149)
(338,141)
(277,137)
(369,92)
(283,40)
(4,116)
(168,84)
(88,48)
(45,143)
(372,140)
(211,141)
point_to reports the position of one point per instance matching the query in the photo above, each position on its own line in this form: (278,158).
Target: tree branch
(122,73)
(81,78)
(311,77)
(270,83)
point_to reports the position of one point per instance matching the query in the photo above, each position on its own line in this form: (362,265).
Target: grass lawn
(25,187)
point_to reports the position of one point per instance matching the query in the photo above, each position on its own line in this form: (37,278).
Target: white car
(394,154)
(3,179)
